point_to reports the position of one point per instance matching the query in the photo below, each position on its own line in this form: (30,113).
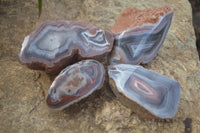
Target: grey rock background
(195,4)
(23,91)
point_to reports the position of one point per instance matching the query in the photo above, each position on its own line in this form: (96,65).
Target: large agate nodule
(56,44)
(139,34)
(155,93)
(75,83)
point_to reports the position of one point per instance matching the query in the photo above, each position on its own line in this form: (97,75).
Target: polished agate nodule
(75,83)
(139,34)
(56,44)
(156,93)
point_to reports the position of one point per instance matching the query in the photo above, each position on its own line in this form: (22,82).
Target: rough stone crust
(132,17)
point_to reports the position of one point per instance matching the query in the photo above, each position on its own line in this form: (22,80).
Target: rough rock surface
(23,91)
(133,17)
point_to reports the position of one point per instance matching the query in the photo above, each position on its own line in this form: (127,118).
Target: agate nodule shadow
(75,83)
(139,34)
(56,44)
(137,87)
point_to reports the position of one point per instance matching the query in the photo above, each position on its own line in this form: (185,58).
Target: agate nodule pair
(139,34)
(75,83)
(56,44)
(137,87)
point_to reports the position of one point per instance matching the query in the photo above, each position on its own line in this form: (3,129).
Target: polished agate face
(56,44)
(143,89)
(75,83)
(156,93)
(140,43)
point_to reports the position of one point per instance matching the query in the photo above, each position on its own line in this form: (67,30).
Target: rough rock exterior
(22,91)
(133,17)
